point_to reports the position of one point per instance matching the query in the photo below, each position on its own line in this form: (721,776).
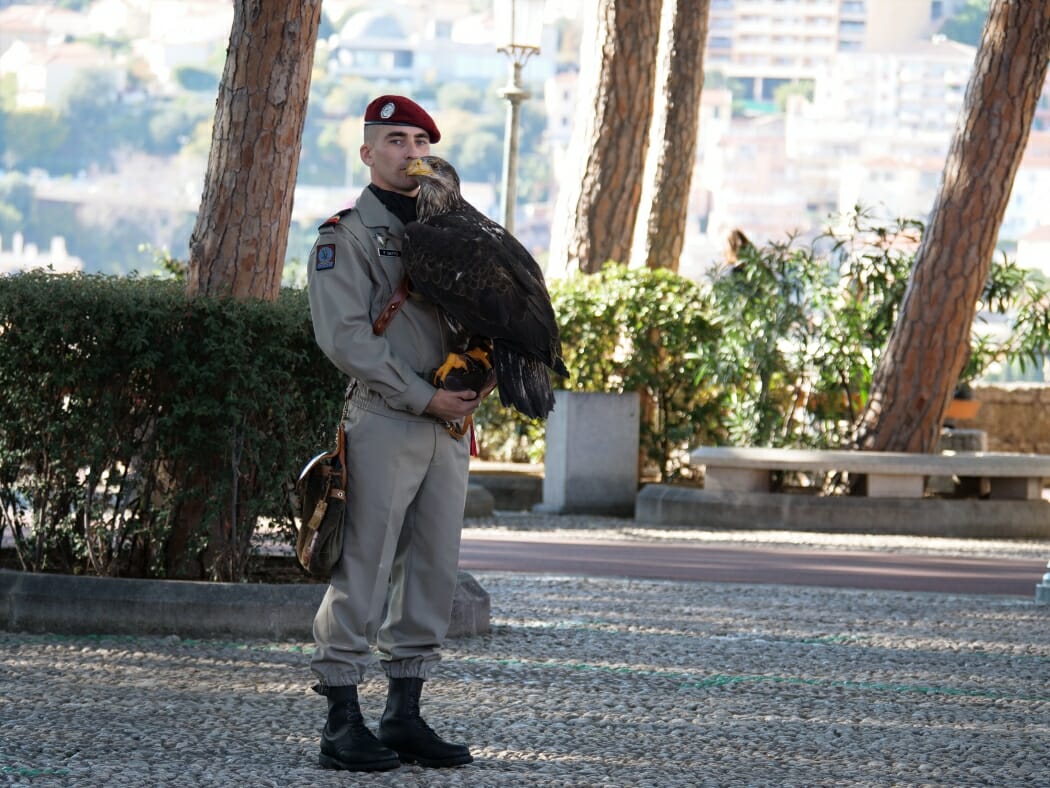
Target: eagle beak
(418,167)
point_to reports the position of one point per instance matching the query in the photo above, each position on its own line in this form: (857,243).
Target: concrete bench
(738,494)
(885,474)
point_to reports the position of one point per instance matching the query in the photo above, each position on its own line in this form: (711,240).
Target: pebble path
(581,682)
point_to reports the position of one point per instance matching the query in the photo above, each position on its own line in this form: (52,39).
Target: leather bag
(321,493)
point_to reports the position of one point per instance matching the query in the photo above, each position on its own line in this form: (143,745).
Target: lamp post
(519,25)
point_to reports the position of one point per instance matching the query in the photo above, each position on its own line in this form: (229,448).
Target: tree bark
(597,208)
(672,155)
(238,244)
(930,342)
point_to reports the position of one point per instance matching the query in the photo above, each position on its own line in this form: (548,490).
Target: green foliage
(118,46)
(32,138)
(629,329)
(799,87)
(98,121)
(146,434)
(967,24)
(198,80)
(802,328)
(171,124)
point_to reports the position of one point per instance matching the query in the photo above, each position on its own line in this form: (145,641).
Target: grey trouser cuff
(415,668)
(343,678)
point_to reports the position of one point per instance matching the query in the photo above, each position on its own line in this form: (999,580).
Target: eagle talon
(452,362)
(462,372)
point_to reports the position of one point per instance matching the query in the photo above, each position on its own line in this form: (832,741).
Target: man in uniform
(394,584)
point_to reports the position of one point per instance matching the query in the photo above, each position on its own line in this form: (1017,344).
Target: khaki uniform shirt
(353,270)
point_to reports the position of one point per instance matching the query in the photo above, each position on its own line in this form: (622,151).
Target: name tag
(389,253)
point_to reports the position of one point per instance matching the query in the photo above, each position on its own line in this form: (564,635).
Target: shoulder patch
(325,257)
(333,220)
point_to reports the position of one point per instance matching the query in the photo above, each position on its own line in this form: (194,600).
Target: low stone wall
(1016,416)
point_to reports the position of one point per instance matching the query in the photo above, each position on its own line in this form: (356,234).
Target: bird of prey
(487,284)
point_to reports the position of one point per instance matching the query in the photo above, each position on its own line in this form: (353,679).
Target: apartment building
(763,44)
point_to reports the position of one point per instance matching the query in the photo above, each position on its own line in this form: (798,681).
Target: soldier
(393,586)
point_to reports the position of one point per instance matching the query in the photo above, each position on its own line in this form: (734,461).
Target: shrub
(802,328)
(143,433)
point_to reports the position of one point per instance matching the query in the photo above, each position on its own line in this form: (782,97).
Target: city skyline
(770,174)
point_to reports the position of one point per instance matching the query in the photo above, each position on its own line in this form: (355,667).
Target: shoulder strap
(391,308)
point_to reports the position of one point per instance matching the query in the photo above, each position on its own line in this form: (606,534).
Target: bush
(146,434)
(802,328)
(624,329)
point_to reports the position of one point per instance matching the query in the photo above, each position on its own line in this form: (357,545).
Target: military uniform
(393,586)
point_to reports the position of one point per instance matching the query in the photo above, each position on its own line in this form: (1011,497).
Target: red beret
(400,111)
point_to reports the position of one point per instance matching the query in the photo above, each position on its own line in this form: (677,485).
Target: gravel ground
(582,682)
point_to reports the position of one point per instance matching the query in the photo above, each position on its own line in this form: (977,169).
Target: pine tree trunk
(930,343)
(672,157)
(599,206)
(238,244)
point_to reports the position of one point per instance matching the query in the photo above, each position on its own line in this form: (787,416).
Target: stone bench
(884,474)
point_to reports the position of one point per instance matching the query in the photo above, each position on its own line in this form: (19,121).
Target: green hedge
(145,434)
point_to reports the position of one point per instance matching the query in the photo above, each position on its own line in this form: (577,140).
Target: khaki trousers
(393,587)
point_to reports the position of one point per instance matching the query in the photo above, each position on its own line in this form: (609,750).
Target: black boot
(402,729)
(346,742)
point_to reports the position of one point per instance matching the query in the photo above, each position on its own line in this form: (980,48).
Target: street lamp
(519,26)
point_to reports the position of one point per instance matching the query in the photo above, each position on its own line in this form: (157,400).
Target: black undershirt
(402,206)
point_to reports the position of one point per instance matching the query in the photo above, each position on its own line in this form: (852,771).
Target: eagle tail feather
(524,382)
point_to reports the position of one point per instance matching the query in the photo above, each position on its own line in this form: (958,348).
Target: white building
(119,18)
(43,74)
(24,257)
(401,44)
(1033,250)
(185,33)
(763,44)
(1029,207)
(37,25)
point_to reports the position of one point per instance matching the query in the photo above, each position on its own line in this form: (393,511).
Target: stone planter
(591,464)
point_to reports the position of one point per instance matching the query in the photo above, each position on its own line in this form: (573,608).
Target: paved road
(779,565)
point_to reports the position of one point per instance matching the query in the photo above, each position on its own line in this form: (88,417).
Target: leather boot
(403,730)
(346,742)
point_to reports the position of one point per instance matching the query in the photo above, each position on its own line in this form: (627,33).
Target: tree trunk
(598,207)
(238,244)
(930,342)
(672,155)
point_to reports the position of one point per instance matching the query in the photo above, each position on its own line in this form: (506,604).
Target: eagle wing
(485,279)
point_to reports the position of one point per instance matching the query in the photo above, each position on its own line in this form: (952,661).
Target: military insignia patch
(325,257)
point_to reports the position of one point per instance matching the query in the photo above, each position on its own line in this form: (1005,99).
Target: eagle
(488,286)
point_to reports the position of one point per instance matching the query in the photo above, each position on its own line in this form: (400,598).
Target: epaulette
(335,219)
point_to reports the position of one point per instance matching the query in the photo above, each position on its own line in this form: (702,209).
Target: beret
(400,111)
